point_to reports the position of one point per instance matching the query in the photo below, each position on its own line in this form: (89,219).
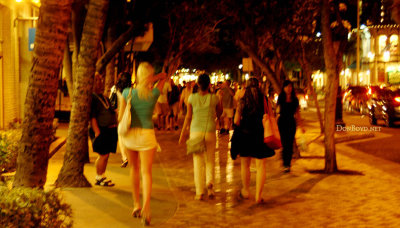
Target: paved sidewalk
(366,193)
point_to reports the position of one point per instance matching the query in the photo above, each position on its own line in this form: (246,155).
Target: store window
(382,43)
(394,42)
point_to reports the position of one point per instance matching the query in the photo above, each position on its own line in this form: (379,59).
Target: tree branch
(116,47)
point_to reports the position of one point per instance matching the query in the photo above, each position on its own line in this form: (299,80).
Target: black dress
(287,128)
(248,138)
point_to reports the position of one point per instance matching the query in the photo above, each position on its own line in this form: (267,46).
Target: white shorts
(139,139)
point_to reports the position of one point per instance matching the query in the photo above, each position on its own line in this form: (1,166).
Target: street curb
(56,146)
(348,138)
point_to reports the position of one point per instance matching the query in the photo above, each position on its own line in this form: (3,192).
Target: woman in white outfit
(123,82)
(140,141)
(203,108)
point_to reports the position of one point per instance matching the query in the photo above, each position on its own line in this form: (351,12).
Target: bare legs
(145,165)
(133,160)
(260,177)
(101,164)
(245,173)
(146,162)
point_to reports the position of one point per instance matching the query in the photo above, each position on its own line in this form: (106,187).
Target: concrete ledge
(340,138)
(56,145)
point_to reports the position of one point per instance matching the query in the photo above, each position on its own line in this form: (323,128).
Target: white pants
(203,175)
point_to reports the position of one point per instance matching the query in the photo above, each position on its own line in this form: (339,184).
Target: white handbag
(126,121)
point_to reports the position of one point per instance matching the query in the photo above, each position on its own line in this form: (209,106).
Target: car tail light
(397,99)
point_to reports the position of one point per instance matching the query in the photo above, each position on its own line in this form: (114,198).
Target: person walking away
(203,108)
(288,117)
(248,121)
(102,131)
(226,94)
(173,102)
(140,141)
(163,107)
(123,82)
(183,102)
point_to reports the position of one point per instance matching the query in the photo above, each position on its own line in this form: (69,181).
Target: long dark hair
(124,81)
(282,95)
(253,96)
(203,81)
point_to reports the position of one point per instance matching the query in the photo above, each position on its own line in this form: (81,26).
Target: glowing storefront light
(382,42)
(386,56)
(371,56)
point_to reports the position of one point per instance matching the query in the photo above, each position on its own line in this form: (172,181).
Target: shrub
(9,142)
(27,207)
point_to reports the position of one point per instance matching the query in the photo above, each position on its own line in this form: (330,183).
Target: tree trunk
(332,87)
(51,35)
(67,69)
(71,173)
(110,69)
(274,81)
(305,65)
(396,11)
(77,18)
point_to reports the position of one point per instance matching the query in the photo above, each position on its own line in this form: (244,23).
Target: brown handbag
(272,138)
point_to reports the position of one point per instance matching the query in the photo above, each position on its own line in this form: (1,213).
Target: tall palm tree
(51,35)
(71,173)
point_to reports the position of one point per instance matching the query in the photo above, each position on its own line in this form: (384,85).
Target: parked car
(355,99)
(384,105)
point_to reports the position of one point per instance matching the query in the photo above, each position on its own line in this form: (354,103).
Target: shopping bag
(272,137)
(125,123)
(195,145)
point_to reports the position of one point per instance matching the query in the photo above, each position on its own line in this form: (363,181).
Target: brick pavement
(360,195)
(365,193)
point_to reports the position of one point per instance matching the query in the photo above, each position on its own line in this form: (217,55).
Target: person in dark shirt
(103,130)
(288,117)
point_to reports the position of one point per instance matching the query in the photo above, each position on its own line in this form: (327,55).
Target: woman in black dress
(289,114)
(248,140)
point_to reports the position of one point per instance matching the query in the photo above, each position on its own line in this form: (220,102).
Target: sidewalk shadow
(339,172)
(311,157)
(291,196)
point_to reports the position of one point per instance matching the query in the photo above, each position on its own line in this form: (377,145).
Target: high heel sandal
(145,219)
(136,213)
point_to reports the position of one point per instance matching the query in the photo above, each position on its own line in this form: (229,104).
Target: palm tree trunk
(110,69)
(332,87)
(71,173)
(51,36)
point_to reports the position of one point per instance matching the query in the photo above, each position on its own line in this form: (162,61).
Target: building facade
(17,19)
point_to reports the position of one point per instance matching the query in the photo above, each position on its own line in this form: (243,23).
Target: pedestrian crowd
(156,103)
